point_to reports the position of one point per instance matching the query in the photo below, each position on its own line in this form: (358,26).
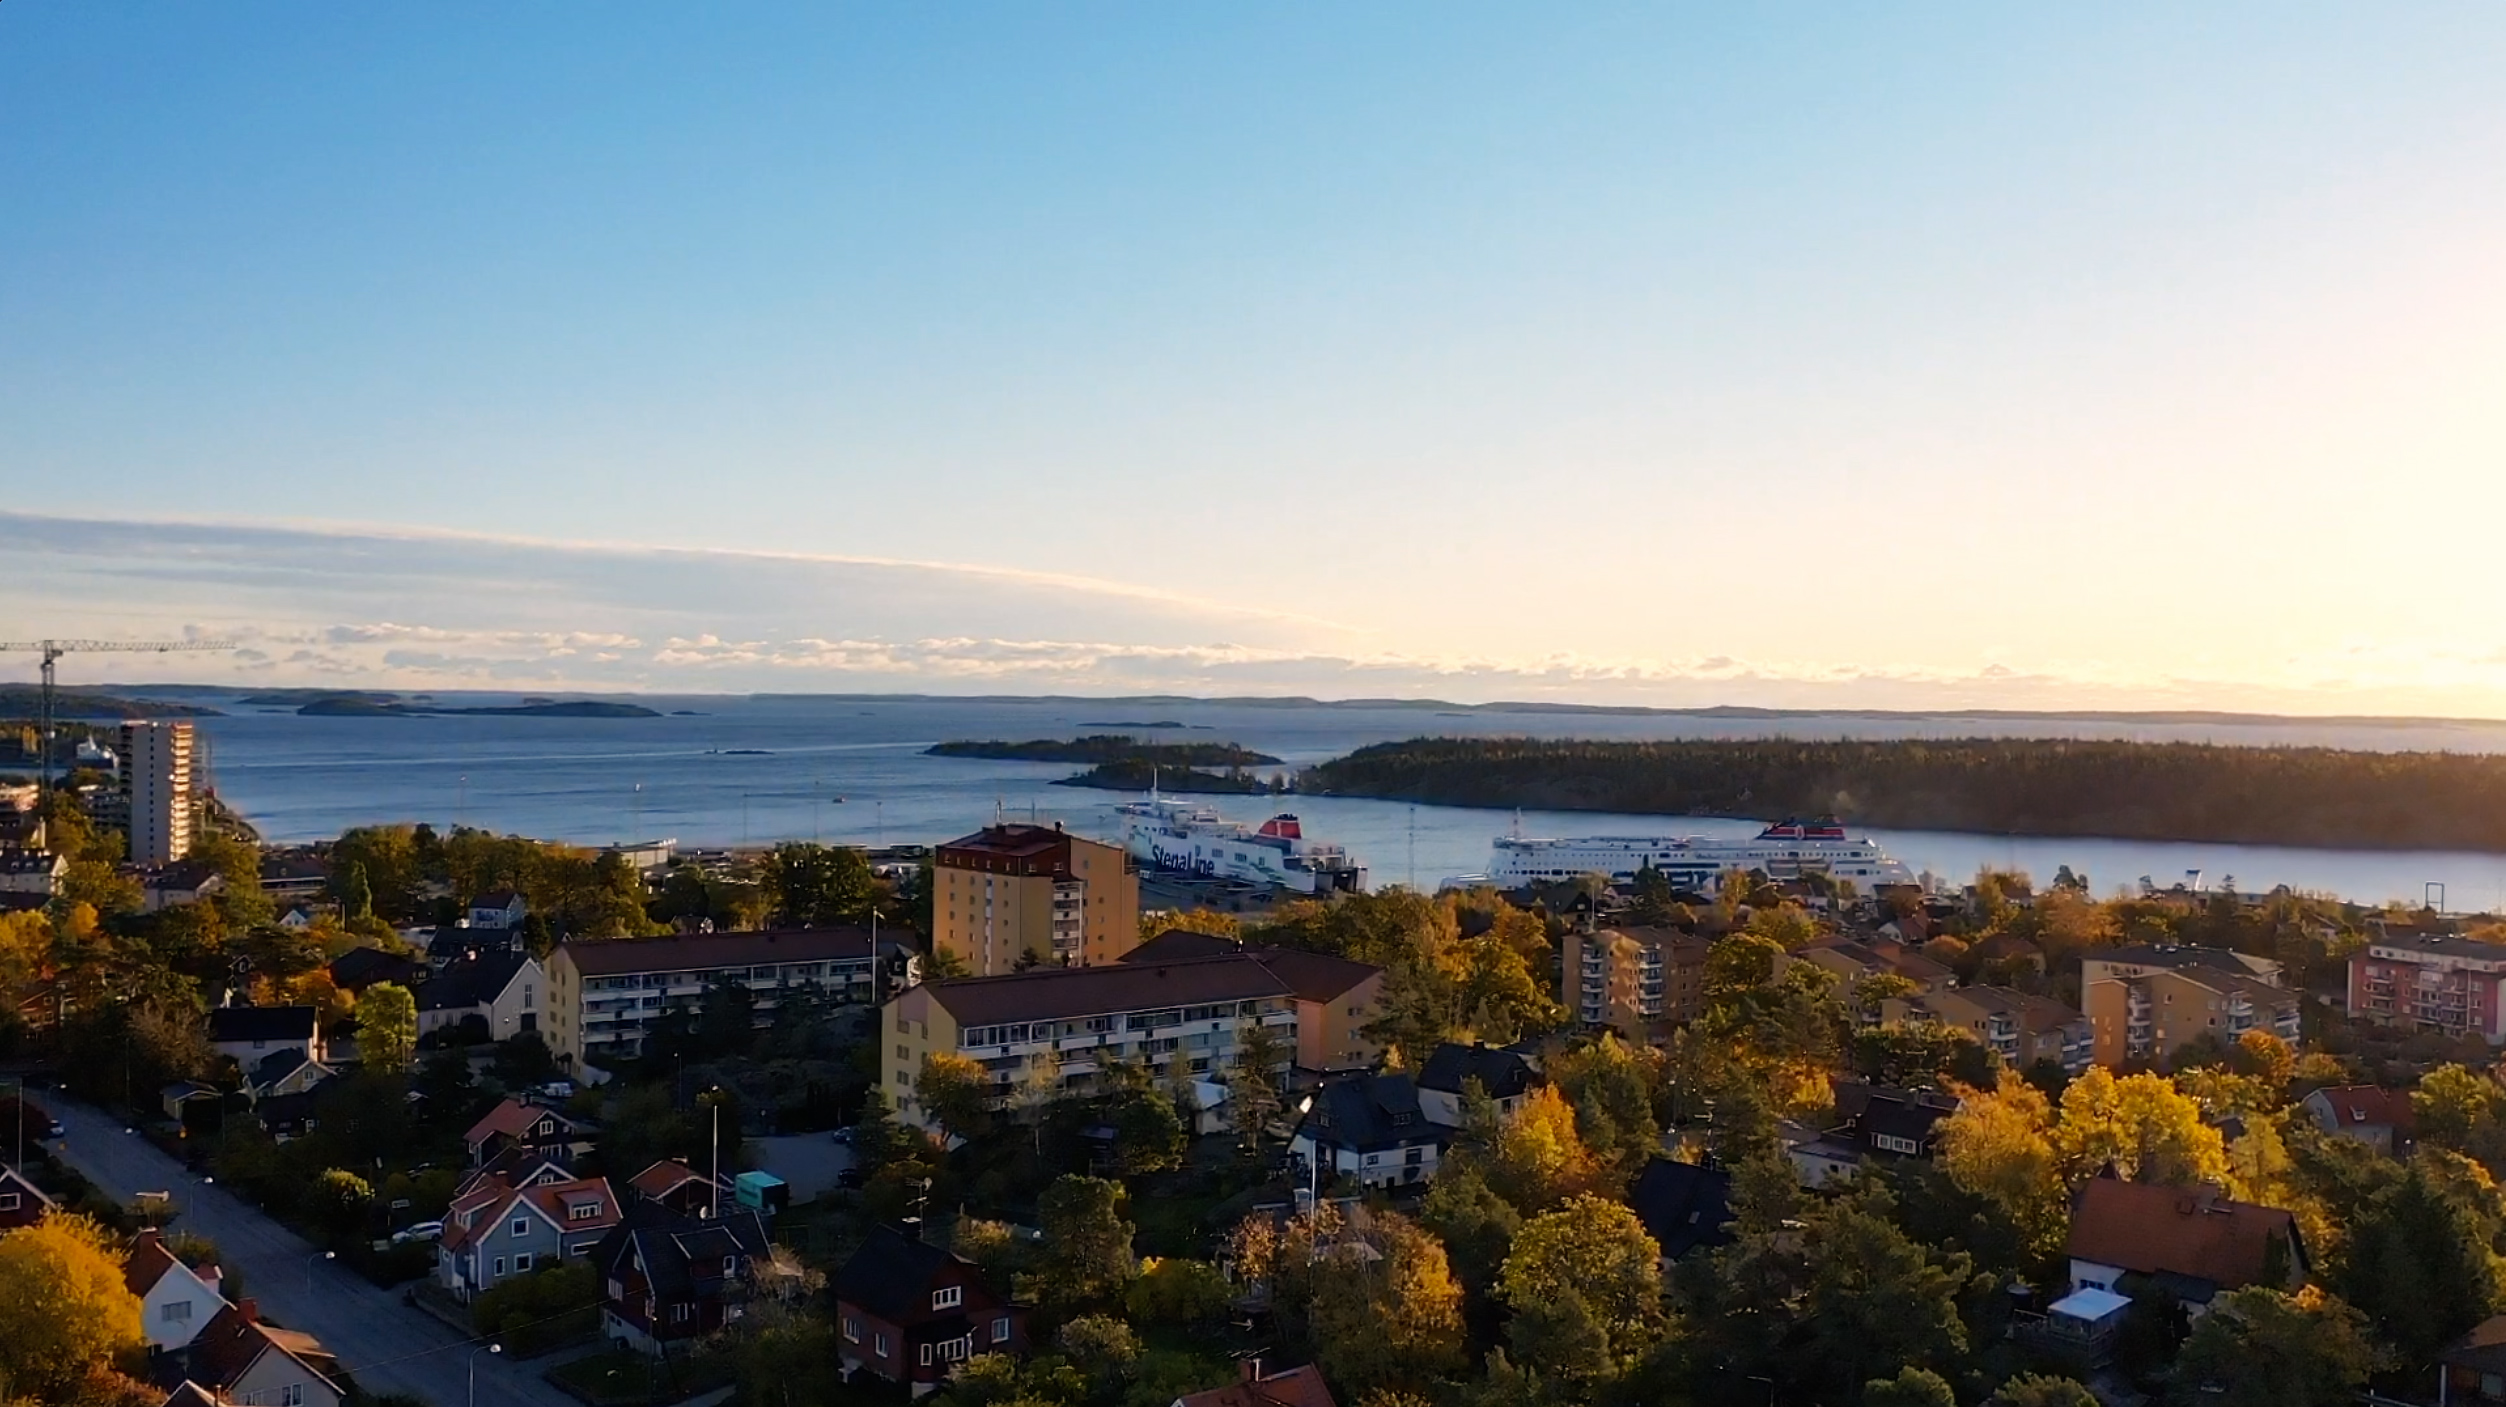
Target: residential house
(2190,1243)
(286,1071)
(1370,1128)
(603,996)
(519,1165)
(1012,894)
(1080,1019)
(287,1116)
(1295,1387)
(1335,997)
(175,1301)
(535,1126)
(501,909)
(2433,982)
(22,1203)
(501,987)
(667,1276)
(1506,1075)
(2149,1002)
(252,1034)
(360,968)
(1640,982)
(2382,1119)
(32,872)
(908,1311)
(1877,1123)
(179,1096)
(294,876)
(177,882)
(499,1231)
(2471,1371)
(450,943)
(2023,1029)
(1684,1206)
(236,1359)
(675,1185)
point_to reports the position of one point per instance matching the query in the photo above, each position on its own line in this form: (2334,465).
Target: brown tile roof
(664,1178)
(698,952)
(146,1263)
(1318,977)
(2483,1350)
(2192,1231)
(557,1201)
(1297,1387)
(230,1343)
(2369,1104)
(1060,993)
(513,1118)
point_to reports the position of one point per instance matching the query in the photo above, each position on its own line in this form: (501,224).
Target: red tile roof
(2356,1105)
(146,1263)
(228,1346)
(1298,1387)
(513,1118)
(2193,1231)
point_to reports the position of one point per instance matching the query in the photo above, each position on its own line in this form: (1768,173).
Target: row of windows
(797,971)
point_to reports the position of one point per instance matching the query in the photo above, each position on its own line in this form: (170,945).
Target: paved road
(385,1345)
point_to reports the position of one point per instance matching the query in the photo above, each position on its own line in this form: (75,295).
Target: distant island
(296,698)
(26,701)
(362,706)
(1103,748)
(2306,796)
(1131,774)
(1161,723)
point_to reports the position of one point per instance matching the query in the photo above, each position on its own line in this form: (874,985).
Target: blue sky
(1977,354)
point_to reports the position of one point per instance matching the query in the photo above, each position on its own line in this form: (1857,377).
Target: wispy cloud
(443,611)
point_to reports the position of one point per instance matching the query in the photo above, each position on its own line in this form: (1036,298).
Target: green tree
(2262,1348)
(2420,1260)
(2452,1103)
(68,1313)
(1596,1250)
(1476,1225)
(1877,1300)
(1148,1134)
(387,1027)
(2038,1390)
(1085,1257)
(1178,1291)
(1912,1387)
(1610,1085)
(820,884)
(955,1092)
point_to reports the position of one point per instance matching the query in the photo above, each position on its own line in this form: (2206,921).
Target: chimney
(910,1227)
(249,1310)
(147,1237)
(1249,1368)
(210,1276)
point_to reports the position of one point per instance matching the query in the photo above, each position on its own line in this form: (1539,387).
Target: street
(383,1344)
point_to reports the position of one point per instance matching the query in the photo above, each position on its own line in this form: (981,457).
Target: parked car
(423,1231)
(843,1135)
(850,1177)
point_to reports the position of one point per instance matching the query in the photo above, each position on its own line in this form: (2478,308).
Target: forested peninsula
(2124,790)
(1104,748)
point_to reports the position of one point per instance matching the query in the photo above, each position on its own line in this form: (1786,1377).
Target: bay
(726,770)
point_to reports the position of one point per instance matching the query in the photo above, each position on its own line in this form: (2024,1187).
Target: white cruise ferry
(1190,838)
(1785,850)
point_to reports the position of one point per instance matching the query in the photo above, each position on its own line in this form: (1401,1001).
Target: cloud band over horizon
(311,604)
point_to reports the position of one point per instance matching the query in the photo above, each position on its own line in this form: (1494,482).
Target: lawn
(622,1378)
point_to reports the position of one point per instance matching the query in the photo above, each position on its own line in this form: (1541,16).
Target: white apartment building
(156,779)
(605,994)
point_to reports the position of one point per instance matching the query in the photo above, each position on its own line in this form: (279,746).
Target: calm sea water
(850,769)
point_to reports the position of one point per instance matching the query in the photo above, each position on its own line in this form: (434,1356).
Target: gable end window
(948,1297)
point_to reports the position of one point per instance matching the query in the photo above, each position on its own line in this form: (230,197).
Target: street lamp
(311,1262)
(716,1092)
(474,1369)
(20,1082)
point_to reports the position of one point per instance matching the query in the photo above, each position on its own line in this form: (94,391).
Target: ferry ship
(1189,838)
(1785,850)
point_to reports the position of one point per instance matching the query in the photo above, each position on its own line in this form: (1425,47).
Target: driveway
(385,1345)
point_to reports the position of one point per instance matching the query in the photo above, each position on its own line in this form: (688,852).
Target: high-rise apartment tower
(156,777)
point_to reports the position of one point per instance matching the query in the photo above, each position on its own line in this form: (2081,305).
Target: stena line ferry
(1785,850)
(1189,838)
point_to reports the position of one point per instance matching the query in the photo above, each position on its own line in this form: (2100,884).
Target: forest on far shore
(2312,796)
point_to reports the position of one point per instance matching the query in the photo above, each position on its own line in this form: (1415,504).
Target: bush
(535,1311)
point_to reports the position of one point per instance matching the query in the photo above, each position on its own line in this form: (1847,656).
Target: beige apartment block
(1013,896)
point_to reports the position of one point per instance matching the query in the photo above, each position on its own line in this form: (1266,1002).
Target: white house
(1370,1128)
(175,1301)
(238,1359)
(501,908)
(501,987)
(31,872)
(252,1034)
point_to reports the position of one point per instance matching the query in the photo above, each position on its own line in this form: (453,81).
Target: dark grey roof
(1371,1111)
(451,941)
(261,1023)
(890,1273)
(1909,1114)
(474,979)
(278,1065)
(1683,1205)
(1503,1073)
(682,1255)
(28,862)
(360,968)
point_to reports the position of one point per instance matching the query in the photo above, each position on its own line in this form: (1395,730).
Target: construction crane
(53,650)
